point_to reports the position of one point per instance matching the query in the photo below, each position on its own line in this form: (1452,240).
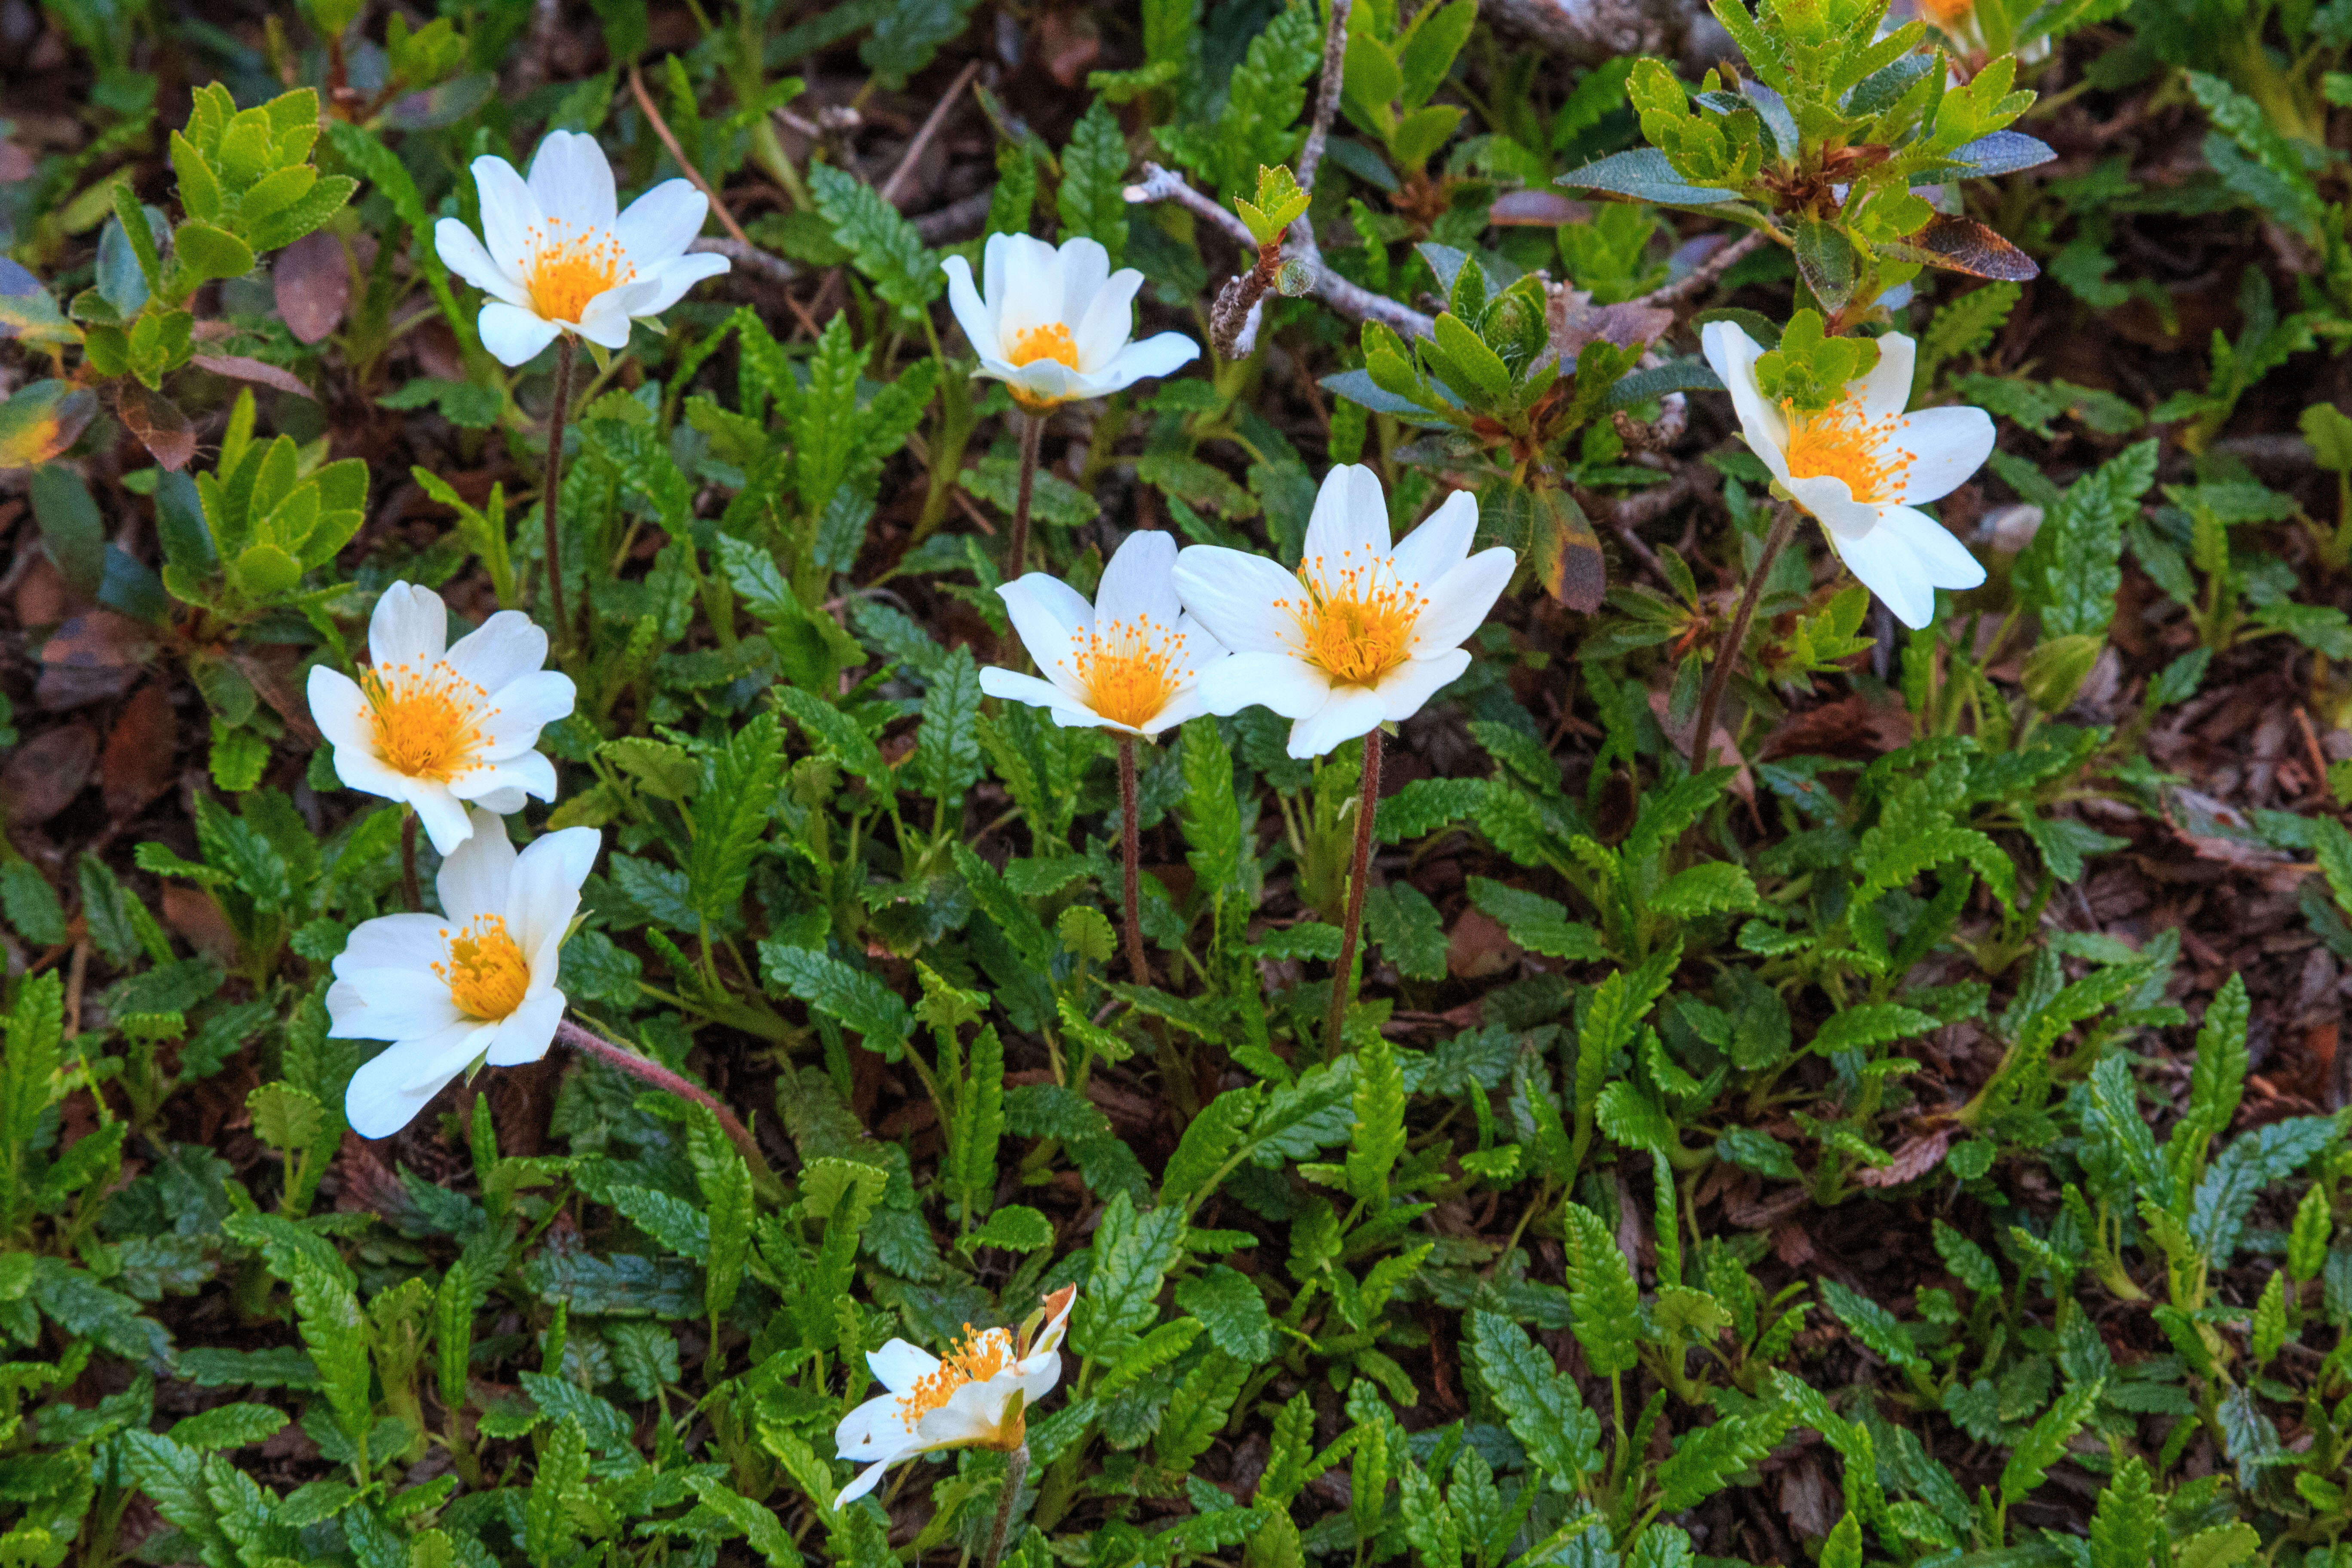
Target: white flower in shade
(1130,661)
(475,981)
(1363,634)
(1053,325)
(978,1397)
(436,726)
(1857,465)
(559,259)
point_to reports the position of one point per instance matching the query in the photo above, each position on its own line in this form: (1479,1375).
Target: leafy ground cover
(1913,1133)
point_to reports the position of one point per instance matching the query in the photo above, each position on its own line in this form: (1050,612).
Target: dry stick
(1784,523)
(1327,107)
(408,883)
(1360,872)
(1129,844)
(1016,1469)
(589,1043)
(1702,277)
(551,494)
(890,189)
(678,155)
(1032,436)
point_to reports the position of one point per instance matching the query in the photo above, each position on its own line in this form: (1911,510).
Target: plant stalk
(1784,524)
(1016,1469)
(1032,438)
(589,1043)
(1360,871)
(408,883)
(550,495)
(1129,836)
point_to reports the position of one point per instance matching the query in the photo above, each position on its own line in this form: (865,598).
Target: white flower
(1363,635)
(559,261)
(977,1398)
(1127,662)
(1857,465)
(475,980)
(1053,325)
(439,729)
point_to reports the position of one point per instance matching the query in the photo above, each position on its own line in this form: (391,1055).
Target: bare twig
(957,220)
(750,258)
(677,156)
(1702,278)
(895,186)
(1326,102)
(1784,526)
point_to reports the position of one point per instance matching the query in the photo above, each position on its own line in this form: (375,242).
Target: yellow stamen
(978,1358)
(1355,622)
(1944,12)
(1840,443)
(427,720)
(566,270)
(487,972)
(1129,670)
(1052,341)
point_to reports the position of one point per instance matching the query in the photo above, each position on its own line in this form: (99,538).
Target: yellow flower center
(1944,12)
(1839,442)
(427,720)
(1355,624)
(1052,341)
(487,972)
(567,270)
(976,1359)
(1129,670)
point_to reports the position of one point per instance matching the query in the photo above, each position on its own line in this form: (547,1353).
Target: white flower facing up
(1129,662)
(475,981)
(1053,325)
(979,1397)
(1363,634)
(437,726)
(560,258)
(1858,465)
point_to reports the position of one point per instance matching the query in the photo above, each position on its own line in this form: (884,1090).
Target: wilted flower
(1363,634)
(558,260)
(1053,325)
(978,1397)
(1858,464)
(475,981)
(436,729)
(1127,662)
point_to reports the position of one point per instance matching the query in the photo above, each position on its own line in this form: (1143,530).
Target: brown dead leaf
(1727,750)
(237,367)
(42,598)
(1914,1158)
(158,423)
(313,281)
(1812,1504)
(1851,727)
(95,656)
(1478,946)
(1574,321)
(191,913)
(141,752)
(1536,209)
(43,774)
(1067,44)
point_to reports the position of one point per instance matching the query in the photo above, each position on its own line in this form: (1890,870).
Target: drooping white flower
(1858,465)
(1363,634)
(1130,661)
(1053,325)
(438,728)
(558,257)
(979,1397)
(477,980)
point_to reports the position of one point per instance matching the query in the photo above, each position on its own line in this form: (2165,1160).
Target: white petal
(1440,544)
(1289,686)
(393,941)
(1947,445)
(410,626)
(1459,602)
(1032,287)
(400,1002)
(660,225)
(1105,320)
(361,769)
(899,1366)
(573,182)
(463,254)
(1887,565)
(506,799)
(1045,382)
(503,649)
(1162,355)
(874,1422)
(1139,583)
(513,335)
(1015,686)
(995,260)
(1886,390)
(1239,596)
(1057,1322)
(442,817)
(1086,267)
(1403,689)
(1351,712)
(475,874)
(973,1413)
(1350,522)
(867,1479)
(1826,498)
(971,313)
(388,1091)
(500,787)
(1071,714)
(516,712)
(1948,561)
(509,213)
(1051,620)
(605,320)
(1732,354)
(673,278)
(543,889)
(1197,648)
(527,1031)
(1180,709)
(339,708)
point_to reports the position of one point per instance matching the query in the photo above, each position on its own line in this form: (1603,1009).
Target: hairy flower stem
(1016,1469)
(1360,871)
(1784,523)
(589,1043)
(551,495)
(408,883)
(1130,836)
(1032,436)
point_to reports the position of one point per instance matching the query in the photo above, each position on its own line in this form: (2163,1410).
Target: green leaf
(2126,1523)
(1541,1407)
(1706,1458)
(880,241)
(1600,1288)
(850,996)
(1229,1304)
(2044,1443)
(1092,200)
(1209,1140)
(207,253)
(1015,1227)
(1377,1139)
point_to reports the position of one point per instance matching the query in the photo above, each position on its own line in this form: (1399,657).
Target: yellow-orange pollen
(426,719)
(1944,12)
(565,270)
(1129,668)
(1840,443)
(486,972)
(1052,341)
(976,1359)
(1355,622)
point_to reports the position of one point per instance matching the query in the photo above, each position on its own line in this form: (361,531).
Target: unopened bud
(1294,278)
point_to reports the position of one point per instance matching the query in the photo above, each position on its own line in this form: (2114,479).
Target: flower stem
(551,495)
(1360,871)
(1016,1469)
(1128,835)
(1784,523)
(1032,436)
(588,1043)
(408,883)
